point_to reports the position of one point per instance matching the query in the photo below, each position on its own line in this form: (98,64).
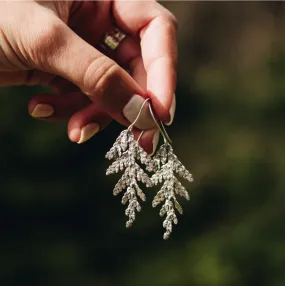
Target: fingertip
(161,109)
(40,109)
(74,134)
(155,141)
(172,110)
(32,104)
(88,131)
(137,111)
(85,123)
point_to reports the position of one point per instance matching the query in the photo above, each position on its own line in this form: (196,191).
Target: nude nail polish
(155,141)
(88,131)
(42,111)
(131,110)
(172,110)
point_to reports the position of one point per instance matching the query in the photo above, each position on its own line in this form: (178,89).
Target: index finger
(156,27)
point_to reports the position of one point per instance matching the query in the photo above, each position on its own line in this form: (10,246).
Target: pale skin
(57,44)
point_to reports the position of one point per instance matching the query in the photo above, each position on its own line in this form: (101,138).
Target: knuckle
(99,75)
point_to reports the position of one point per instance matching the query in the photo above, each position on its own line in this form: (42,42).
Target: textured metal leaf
(167,164)
(126,151)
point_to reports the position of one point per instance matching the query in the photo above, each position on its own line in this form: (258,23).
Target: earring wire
(166,134)
(139,114)
(138,140)
(159,126)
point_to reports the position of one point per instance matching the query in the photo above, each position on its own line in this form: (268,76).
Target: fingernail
(172,110)
(155,141)
(131,111)
(88,131)
(42,110)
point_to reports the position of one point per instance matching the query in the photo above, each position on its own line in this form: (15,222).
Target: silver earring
(126,151)
(167,164)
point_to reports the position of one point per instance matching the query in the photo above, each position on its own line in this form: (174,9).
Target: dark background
(61,225)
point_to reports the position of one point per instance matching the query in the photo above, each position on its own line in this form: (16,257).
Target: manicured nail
(88,131)
(131,111)
(42,110)
(172,110)
(155,141)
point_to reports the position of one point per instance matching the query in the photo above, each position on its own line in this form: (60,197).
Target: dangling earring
(126,151)
(167,164)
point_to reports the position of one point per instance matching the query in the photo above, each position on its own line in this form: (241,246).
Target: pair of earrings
(126,153)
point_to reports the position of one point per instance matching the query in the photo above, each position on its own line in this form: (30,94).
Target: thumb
(58,50)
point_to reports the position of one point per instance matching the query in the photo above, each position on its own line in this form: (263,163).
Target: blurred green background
(61,225)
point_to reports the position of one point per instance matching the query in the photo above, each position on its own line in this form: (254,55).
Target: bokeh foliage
(60,224)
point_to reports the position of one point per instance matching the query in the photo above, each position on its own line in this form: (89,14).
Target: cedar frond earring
(167,164)
(126,151)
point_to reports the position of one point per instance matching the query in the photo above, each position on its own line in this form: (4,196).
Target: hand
(53,43)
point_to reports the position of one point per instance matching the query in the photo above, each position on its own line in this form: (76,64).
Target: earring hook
(139,114)
(159,126)
(162,130)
